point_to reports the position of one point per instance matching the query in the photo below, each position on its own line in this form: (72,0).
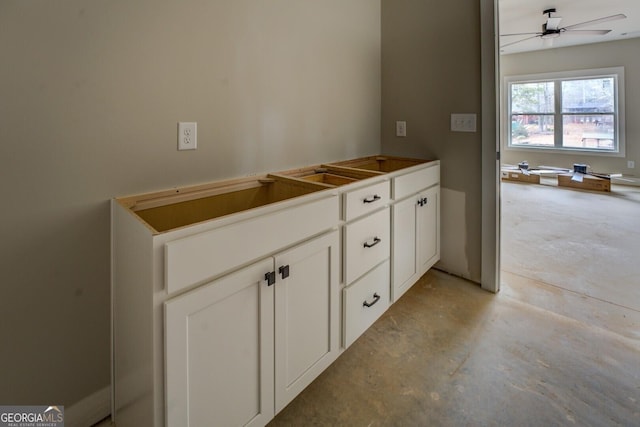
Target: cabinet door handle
(284,271)
(376,298)
(270,278)
(376,240)
(371,199)
(425,200)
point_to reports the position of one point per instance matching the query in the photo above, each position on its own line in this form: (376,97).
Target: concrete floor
(559,345)
(587,242)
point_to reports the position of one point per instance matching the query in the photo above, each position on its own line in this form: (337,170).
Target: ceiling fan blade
(519,41)
(596,21)
(553,23)
(520,34)
(587,32)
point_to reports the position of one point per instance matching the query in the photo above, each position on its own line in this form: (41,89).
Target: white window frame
(618,75)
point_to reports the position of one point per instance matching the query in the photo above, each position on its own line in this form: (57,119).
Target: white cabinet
(224,339)
(307,315)
(365,200)
(189,305)
(365,301)
(219,352)
(199,335)
(428,229)
(404,246)
(415,231)
(367,245)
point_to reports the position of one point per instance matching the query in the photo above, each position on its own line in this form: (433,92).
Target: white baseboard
(89,410)
(627,180)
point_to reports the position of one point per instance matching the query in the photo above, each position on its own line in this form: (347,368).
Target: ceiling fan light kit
(553,23)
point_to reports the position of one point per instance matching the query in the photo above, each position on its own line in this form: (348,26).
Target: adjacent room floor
(580,241)
(559,345)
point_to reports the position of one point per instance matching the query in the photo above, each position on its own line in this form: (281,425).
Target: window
(576,111)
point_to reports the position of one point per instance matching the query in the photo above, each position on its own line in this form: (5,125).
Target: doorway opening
(570,251)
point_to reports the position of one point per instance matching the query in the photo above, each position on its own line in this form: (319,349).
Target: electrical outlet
(401,128)
(631,164)
(187,135)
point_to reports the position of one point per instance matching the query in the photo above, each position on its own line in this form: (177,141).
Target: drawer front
(367,243)
(405,185)
(367,199)
(202,256)
(365,301)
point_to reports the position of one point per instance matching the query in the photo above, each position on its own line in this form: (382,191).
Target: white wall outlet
(187,135)
(401,128)
(631,164)
(463,122)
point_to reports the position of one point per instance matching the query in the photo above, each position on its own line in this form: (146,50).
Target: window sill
(556,150)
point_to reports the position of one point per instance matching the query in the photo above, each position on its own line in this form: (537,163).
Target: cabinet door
(428,229)
(306,315)
(219,352)
(404,268)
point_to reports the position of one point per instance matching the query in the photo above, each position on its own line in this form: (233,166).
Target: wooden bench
(599,137)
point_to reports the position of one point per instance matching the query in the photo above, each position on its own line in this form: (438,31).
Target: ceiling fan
(552,29)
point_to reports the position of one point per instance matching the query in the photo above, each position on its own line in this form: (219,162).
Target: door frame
(490,119)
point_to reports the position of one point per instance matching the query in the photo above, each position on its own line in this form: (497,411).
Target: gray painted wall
(90,96)
(602,55)
(430,69)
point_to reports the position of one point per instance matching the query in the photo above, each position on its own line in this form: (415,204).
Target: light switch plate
(187,135)
(463,122)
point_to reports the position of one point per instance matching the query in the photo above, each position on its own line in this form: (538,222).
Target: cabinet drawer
(196,258)
(405,185)
(365,301)
(367,199)
(366,244)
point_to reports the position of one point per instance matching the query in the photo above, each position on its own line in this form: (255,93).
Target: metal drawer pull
(375,242)
(376,298)
(372,199)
